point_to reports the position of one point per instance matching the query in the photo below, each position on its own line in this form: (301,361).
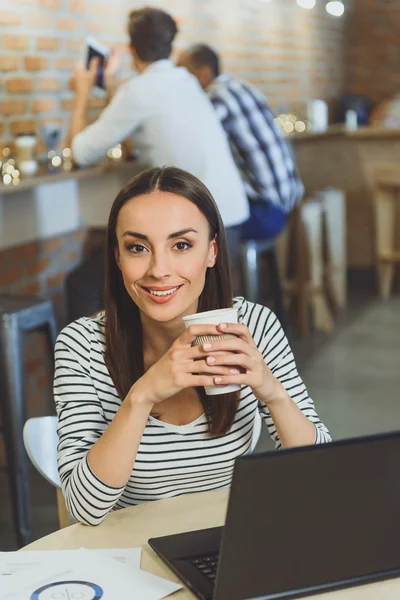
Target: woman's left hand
(242,353)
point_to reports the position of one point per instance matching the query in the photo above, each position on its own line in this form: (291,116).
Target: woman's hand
(241,353)
(183,366)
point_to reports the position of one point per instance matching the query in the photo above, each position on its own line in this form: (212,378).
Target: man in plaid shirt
(261,152)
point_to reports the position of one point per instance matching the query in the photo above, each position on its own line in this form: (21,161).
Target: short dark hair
(151,32)
(202,55)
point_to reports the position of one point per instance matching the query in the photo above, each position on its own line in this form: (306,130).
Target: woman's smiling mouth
(163,294)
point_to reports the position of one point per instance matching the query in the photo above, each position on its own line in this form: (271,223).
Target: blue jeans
(265,223)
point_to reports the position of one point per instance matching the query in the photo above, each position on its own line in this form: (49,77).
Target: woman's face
(163,253)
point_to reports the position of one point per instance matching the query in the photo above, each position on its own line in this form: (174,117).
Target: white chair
(41,440)
(256,431)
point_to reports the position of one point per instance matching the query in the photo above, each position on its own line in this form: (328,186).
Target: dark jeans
(265,223)
(234,237)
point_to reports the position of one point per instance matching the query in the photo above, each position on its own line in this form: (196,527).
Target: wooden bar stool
(387,205)
(306,286)
(251,252)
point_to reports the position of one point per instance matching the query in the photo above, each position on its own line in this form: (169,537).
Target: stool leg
(52,330)
(13,404)
(385,218)
(276,285)
(250,271)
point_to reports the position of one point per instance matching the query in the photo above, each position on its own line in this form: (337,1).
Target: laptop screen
(312,518)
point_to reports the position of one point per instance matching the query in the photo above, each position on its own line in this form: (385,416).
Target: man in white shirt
(171,118)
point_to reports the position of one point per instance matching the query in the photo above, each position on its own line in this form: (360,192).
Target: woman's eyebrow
(145,238)
(141,236)
(182,232)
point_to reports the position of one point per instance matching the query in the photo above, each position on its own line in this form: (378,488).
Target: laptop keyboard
(207,565)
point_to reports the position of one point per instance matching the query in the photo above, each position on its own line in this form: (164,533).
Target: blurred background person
(260,149)
(165,108)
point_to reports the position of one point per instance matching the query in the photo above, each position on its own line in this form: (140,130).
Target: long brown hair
(123,327)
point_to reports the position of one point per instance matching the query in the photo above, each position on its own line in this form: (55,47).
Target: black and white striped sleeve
(81,422)
(277,353)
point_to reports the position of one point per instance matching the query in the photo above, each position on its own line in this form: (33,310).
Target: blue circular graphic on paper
(68,590)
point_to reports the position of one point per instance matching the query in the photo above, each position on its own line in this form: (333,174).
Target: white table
(132,527)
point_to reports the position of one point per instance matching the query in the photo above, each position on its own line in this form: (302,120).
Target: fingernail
(234,371)
(210,359)
(223,325)
(206,346)
(218,380)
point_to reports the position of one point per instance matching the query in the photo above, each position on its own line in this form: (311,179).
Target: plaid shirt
(261,152)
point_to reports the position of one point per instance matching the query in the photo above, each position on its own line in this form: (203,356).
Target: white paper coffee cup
(214,317)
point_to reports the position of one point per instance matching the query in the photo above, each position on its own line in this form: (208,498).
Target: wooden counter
(44,176)
(350,160)
(55,203)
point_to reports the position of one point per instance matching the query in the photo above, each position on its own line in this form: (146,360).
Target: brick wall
(291,53)
(40,268)
(373,53)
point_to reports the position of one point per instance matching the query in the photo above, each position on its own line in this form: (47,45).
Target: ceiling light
(335,8)
(306,3)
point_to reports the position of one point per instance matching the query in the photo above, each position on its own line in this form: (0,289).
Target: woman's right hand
(183,366)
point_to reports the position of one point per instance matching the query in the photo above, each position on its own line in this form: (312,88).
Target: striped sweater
(171,459)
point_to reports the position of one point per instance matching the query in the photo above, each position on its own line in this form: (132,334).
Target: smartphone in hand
(94,49)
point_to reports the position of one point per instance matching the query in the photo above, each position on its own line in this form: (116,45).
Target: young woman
(134,421)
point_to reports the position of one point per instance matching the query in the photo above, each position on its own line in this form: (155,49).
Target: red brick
(47,43)
(78,6)
(44,105)
(49,4)
(22,126)
(40,20)
(40,265)
(65,64)
(5,257)
(13,107)
(53,243)
(9,18)
(67,24)
(1,129)
(25,251)
(34,288)
(9,62)
(43,381)
(49,84)
(10,276)
(97,26)
(55,280)
(16,42)
(74,45)
(36,63)
(33,366)
(19,84)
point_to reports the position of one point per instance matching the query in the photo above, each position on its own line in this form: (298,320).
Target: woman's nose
(159,266)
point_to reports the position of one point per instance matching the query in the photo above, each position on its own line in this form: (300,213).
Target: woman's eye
(183,246)
(136,248)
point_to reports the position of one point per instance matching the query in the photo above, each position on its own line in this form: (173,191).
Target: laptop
(299,521)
